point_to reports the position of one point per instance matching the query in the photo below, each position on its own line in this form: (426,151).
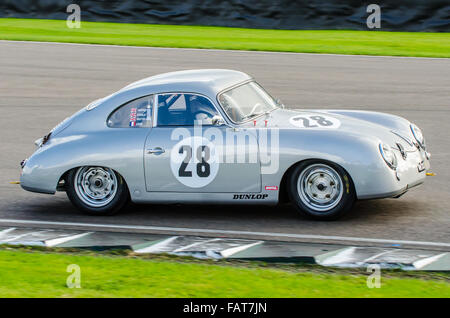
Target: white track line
(377,255)
(158,247)
(223,50)
(345,255)
(233,250)
(17,237)
(183,248)
(427,261)
(64,239)
(225,232)
(6,231)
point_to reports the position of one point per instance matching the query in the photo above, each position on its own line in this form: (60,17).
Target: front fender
(358,155)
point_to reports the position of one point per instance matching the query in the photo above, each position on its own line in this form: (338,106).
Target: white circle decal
(315,121)
(194,162)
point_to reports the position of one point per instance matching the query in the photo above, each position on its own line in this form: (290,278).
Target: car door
(185,152)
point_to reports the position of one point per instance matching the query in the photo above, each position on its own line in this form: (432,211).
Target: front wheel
(321,190)
(96,190)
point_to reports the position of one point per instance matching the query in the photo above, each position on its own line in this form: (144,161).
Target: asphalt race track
(41,84)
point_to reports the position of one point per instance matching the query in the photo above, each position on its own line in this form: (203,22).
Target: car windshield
(246,101)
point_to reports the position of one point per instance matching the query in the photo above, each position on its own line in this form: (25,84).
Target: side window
(184,110)
(134,114)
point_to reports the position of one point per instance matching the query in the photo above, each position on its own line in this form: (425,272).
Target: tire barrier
(396,15)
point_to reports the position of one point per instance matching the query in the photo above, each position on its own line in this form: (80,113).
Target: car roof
(207,82)
(210,79)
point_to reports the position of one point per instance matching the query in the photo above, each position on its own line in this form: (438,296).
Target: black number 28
(203,155)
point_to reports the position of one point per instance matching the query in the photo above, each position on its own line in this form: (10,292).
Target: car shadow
(365,211)
(60,209)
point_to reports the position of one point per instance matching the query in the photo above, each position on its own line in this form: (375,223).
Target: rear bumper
(32,178)
(36,190)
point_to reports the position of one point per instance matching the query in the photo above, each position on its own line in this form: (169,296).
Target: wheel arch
(62,181)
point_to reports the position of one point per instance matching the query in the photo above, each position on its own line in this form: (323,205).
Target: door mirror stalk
(218,121)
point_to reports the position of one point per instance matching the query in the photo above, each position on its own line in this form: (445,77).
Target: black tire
(116,201)
(306,204)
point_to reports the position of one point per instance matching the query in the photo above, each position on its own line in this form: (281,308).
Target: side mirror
(280,103)
(217,120)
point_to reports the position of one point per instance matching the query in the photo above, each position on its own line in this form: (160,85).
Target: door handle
(156,151)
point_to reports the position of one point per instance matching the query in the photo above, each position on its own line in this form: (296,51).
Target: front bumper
(411,172)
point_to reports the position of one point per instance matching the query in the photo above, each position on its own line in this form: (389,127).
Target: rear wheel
(97,190)
(321,190)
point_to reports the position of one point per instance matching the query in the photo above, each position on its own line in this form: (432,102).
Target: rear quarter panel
(120,149)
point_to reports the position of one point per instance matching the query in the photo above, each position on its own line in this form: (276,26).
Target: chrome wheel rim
(320,187)
(95,186)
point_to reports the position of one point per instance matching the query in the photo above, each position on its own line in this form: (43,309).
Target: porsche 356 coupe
(216,136)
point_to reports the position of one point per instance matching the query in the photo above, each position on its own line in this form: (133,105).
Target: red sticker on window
(133,117)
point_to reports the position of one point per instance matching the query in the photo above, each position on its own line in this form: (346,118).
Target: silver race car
(216,136)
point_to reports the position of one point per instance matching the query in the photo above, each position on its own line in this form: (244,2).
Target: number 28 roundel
(194,162)
(314,121)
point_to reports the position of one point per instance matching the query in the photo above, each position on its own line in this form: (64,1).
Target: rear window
(134,114)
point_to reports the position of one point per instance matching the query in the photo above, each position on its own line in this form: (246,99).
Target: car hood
(390,129)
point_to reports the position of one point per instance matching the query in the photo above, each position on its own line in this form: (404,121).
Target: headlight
(389,156)
(417,133)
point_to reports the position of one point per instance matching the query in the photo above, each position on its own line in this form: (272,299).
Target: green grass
(335,41)
(25,273)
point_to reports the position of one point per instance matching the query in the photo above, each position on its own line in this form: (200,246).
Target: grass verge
(26,272)
(332,41)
